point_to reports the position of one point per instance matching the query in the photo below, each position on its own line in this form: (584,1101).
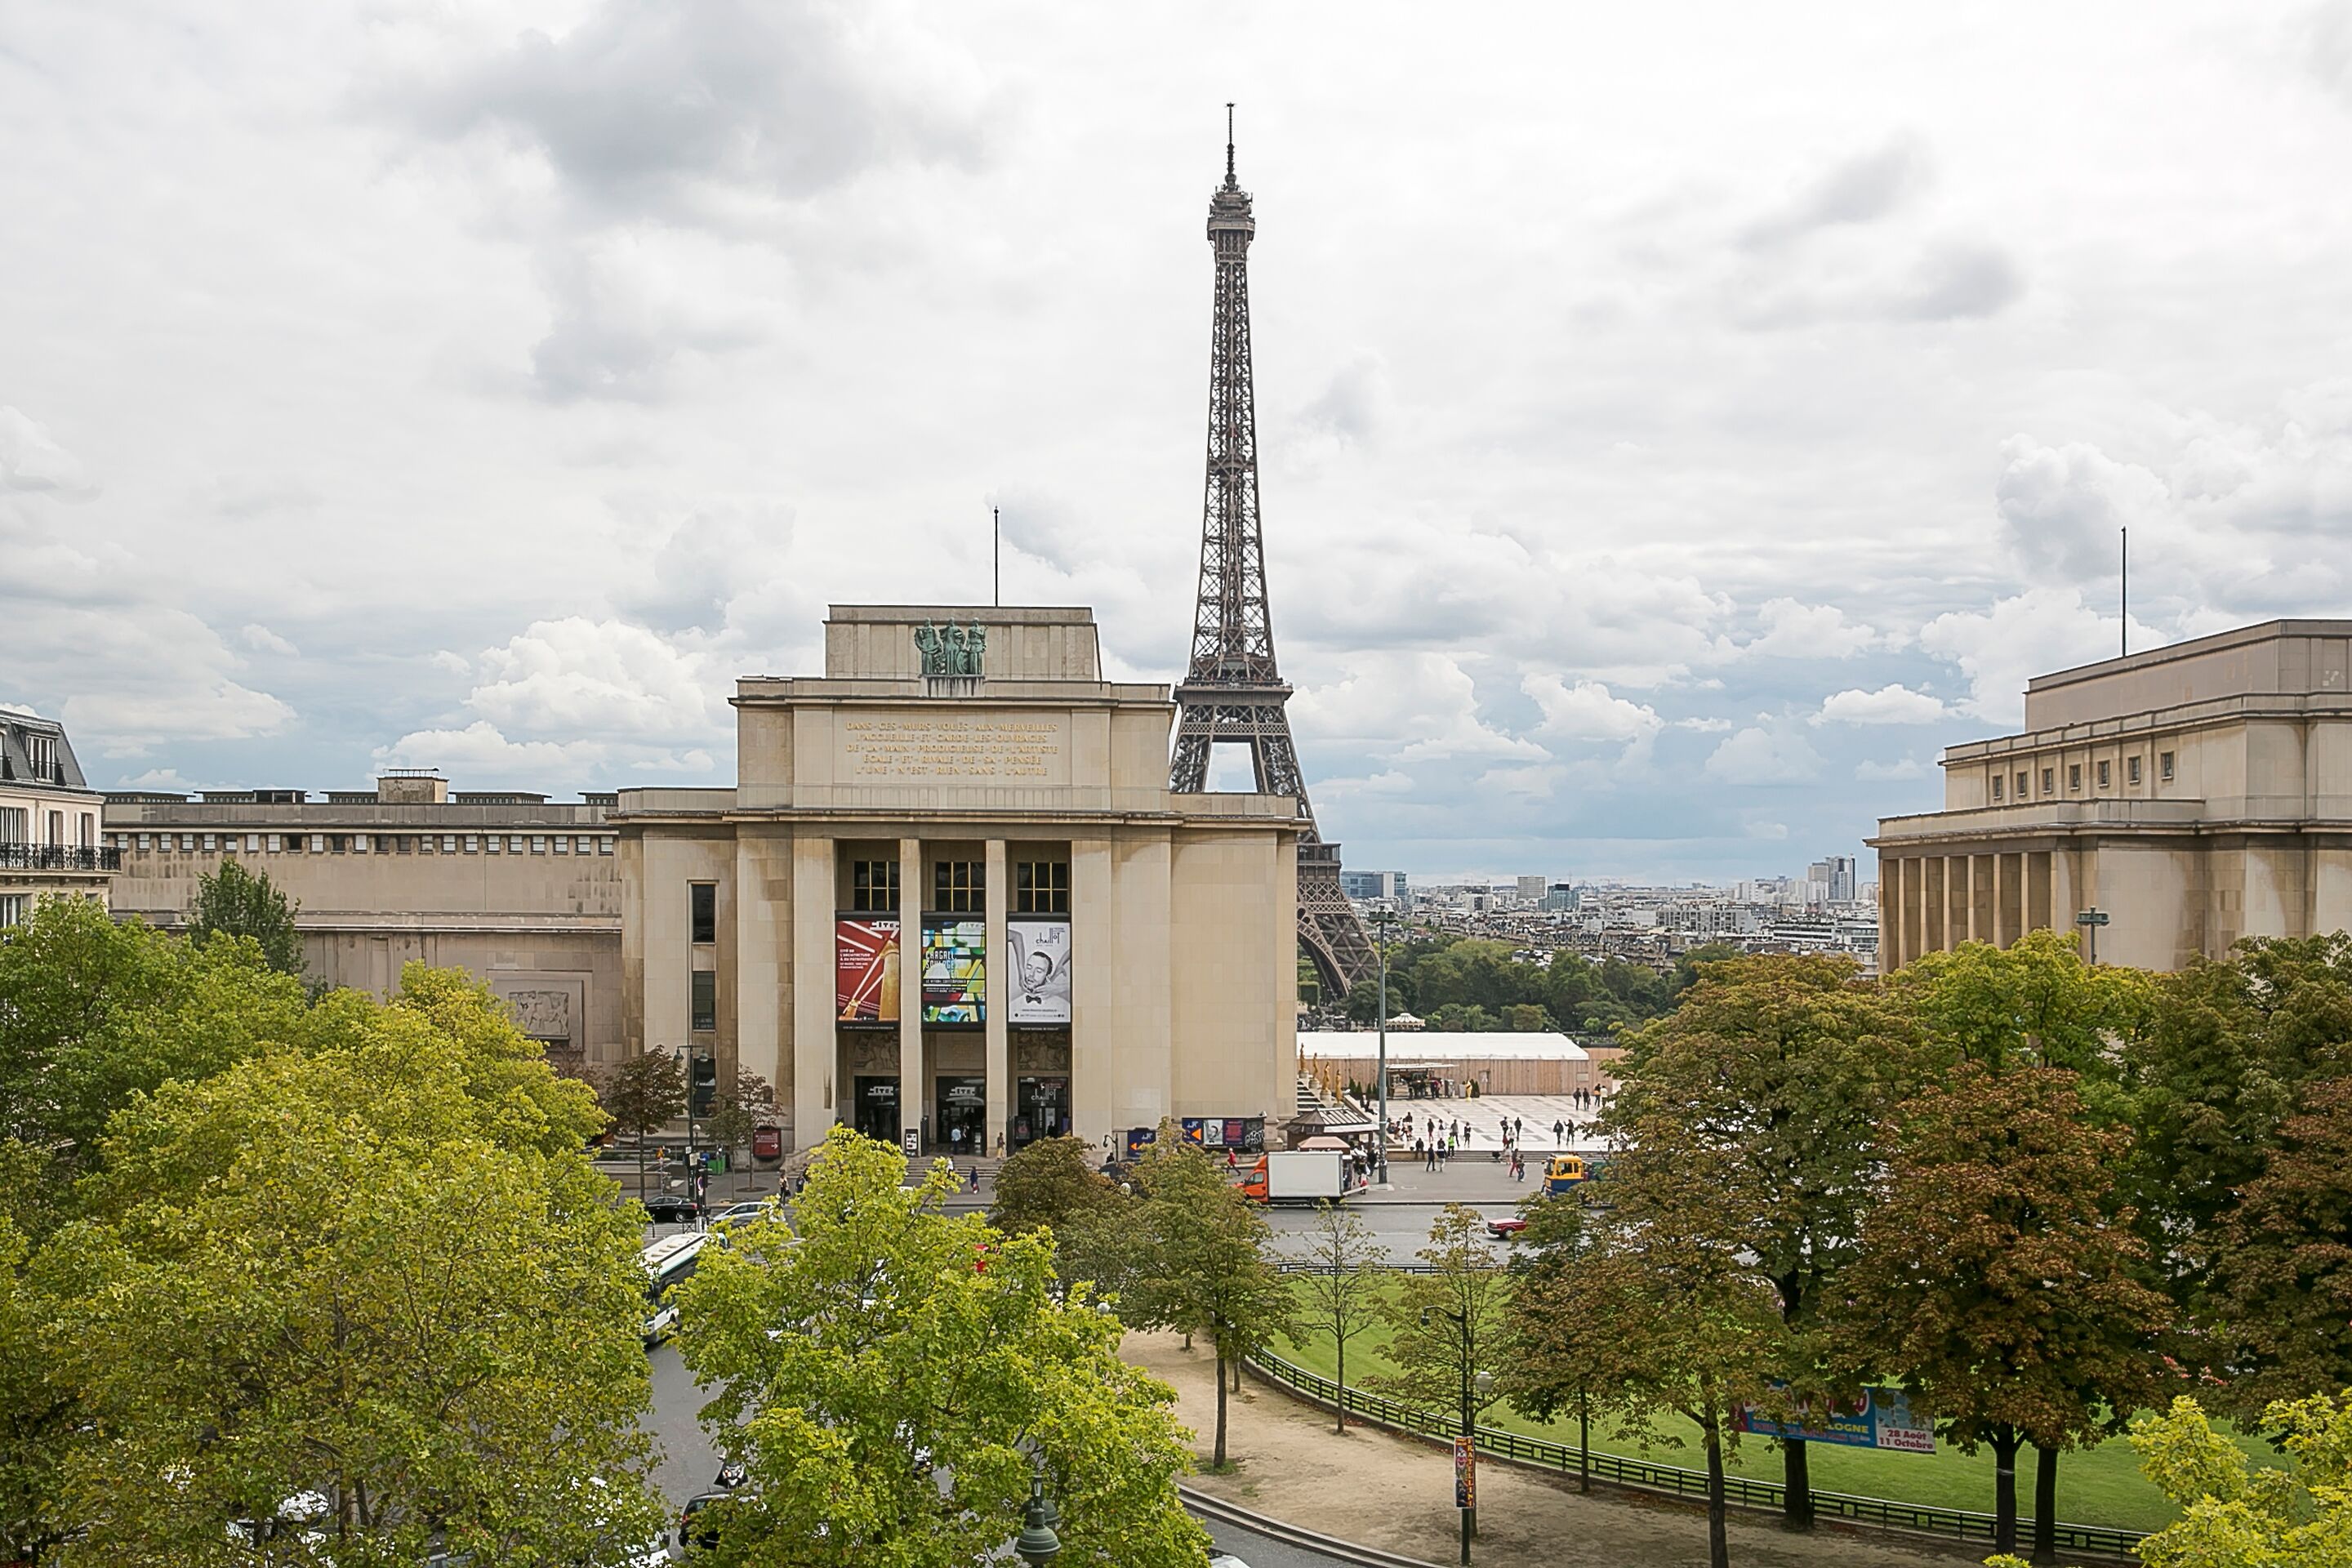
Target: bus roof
(670,1248)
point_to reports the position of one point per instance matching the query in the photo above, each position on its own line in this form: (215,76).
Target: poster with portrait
(1037,986)
(864,970)
(955,971)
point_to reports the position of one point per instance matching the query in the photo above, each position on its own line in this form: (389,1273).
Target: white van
(667,1262)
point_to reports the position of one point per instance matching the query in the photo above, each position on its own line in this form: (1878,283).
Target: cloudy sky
(1679,422)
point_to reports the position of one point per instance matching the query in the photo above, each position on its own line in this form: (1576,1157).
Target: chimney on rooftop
(411,786)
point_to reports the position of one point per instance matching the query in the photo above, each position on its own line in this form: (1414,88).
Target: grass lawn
(2098,1485)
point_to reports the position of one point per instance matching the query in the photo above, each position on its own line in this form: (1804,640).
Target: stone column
(1094,959)
(815,1095)
(912,1101)
(1000,952)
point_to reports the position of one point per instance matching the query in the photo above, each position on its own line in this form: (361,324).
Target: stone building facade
(51,843)
(2194,795)
(522,892)
(959,906)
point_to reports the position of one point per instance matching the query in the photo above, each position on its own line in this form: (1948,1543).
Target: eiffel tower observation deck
(1233,693)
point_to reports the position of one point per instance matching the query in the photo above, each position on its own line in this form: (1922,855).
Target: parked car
(670,1208)
(1505,1228)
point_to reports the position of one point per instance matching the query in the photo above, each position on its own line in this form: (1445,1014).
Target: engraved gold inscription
(951,747)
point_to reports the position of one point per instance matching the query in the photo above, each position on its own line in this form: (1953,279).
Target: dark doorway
(1041,1109)
(876,1108)
(960,1125)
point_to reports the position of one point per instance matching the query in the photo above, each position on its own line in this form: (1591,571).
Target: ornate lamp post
(1037,1543)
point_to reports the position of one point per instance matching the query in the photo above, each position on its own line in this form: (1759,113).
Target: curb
(1218,1508)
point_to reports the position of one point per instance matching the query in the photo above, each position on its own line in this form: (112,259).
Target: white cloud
(480,751)
(263,640)
(1794,630)
(1895,704)
(32,461)
(1765,754)
(597,679)
(130,721)
(1409,708)
(1585,712)
(2034,633)
(1908,767)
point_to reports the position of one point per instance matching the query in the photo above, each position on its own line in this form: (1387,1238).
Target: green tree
(2034,1002)
(66,971)
(43,1424)
(1340,1297)
(2235,1516)
(2000,1279)
(2280,1296)
(1776,1072)
(641,1095)
(1560,1357)
(1690,1328)
(1450,1325)
(376,1268)
(1051,1182)
(2212,1077)
(234,902)
(1196,1262)
(927,1361)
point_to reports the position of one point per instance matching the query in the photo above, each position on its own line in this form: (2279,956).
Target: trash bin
(717,1162)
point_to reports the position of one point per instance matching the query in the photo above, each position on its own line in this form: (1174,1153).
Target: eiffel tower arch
(1233,692)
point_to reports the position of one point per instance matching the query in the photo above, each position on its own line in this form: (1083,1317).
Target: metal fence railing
(1643,1475)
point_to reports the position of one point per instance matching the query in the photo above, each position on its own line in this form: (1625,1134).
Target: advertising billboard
(1880,1418)
(865,969)
(955,971)
(1243,1132)
(1037,986)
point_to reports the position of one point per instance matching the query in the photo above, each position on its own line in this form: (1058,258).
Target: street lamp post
(2091,920)
(1381,920)
(1037,1543)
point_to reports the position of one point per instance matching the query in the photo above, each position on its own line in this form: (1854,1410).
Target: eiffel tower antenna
(1233,693)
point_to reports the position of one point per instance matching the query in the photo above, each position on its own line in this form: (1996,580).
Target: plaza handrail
(1643,1475)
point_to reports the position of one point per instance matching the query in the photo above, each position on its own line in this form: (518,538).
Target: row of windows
(17,824)
(362,843)
(2165,772)
(961,886)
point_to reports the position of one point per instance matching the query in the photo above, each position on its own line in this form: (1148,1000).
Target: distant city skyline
(1658,474)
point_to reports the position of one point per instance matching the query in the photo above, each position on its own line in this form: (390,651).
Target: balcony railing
(58,858)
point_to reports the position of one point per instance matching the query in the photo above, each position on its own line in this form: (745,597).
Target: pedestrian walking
(1559,1132)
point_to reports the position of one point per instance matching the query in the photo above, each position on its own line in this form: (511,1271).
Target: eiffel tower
(1233,693)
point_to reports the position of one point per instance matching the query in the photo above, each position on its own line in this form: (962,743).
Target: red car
(1504,1229)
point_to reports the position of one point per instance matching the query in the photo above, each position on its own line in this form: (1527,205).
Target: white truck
(1299,1177)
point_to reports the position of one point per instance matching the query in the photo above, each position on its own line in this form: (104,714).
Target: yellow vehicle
(1563,1171)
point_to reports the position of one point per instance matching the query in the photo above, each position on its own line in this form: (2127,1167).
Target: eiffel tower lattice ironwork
(1233,693)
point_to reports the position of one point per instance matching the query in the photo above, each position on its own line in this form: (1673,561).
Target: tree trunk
(1341,1370)
(2045,1505)
(1583,1441)
(2004,1489)
(1219,1462)
(1719,1541)
(1796,1486)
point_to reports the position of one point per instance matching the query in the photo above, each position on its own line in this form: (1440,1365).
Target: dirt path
(1380,1489)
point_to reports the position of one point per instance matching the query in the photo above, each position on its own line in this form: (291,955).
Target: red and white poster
(865,970)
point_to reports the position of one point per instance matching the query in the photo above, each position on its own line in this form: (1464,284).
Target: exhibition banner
(955,971)
(1037,986)
(1881,1419)
(864,970)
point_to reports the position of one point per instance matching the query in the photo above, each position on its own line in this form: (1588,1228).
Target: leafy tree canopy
(235,901)
(2233,1516)
(887,1377)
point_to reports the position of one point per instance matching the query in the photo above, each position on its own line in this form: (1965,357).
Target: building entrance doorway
(876,1112)
(960,1125)
(1041,1109)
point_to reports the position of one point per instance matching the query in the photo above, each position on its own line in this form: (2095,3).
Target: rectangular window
(2073,778)
(360,843)
(959,887)
(2021,787)
(2047,787)
(562,845)
(702,912)
(494,843)
(1996,794)
(188,842)
(603,846)
(473,844)
(2102,775)
(2164,766)
(874,885)
(212,844)
(539,843)
(273,843)
(705,1001)
(424,844)
(143,845)
(253,843)
(12,908)
(2131,770)
(514,844)
(449,843)
(1043,887)
(400,845)
(318,847)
